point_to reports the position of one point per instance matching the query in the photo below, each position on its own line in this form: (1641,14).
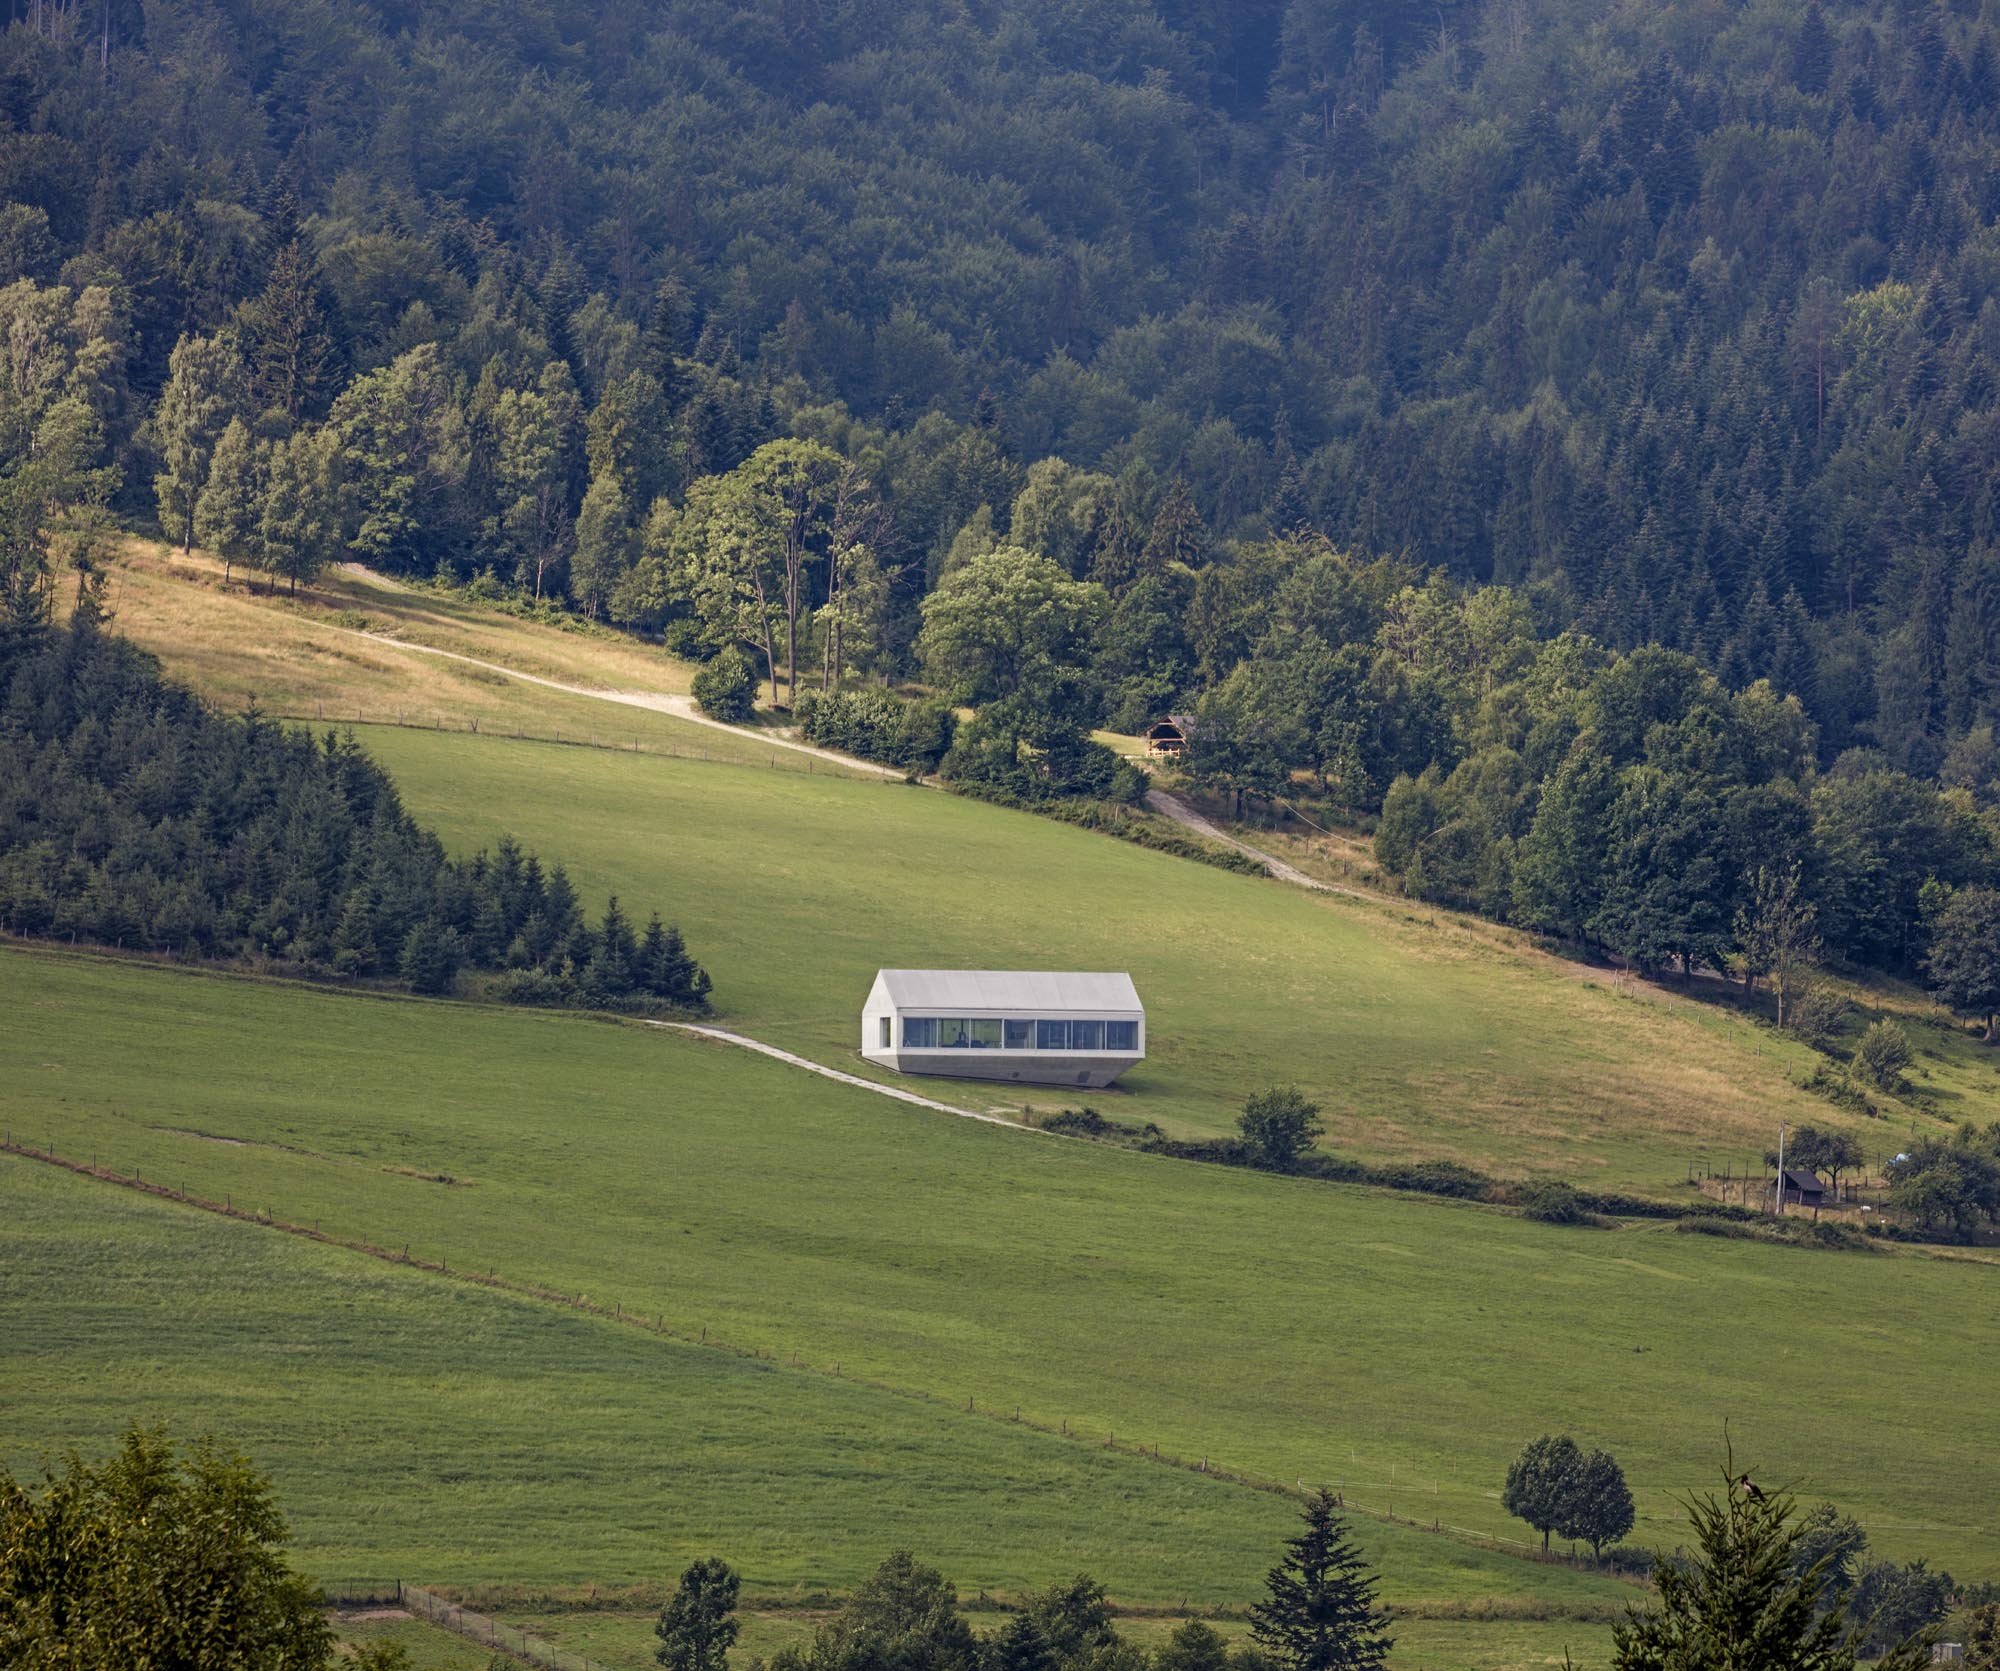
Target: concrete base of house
(1088,1072)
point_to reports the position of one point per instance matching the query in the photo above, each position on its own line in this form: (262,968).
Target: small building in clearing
(1801,1188)
(1037,1028)
(1168,737)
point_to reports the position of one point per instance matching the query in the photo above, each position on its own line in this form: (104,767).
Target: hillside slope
(1401,1348)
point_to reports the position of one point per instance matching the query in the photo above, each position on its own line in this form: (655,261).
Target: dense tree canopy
(132,817)
(1565,430)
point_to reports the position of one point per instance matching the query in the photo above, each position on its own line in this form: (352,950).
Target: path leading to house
(724,1036)
(1172,806)
(659,701)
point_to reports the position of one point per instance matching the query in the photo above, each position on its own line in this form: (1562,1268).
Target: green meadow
(446,1433)
(1399,1348)
(1425,1036)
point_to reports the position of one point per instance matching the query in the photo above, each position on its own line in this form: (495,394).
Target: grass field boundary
(654,1323)
(660,702)
(604,742)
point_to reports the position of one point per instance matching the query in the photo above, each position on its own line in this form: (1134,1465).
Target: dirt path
(659,701)
(1172,806)
(724,1036)
(370,577)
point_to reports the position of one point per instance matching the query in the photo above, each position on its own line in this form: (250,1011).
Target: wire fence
(1389,1501)
(355,1594)
(750,749)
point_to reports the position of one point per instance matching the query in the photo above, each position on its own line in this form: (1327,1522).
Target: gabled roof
(1009,989)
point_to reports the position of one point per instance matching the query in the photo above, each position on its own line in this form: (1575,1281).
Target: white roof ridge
(1012,989)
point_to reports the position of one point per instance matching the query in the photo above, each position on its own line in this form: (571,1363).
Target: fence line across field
(474,1627)
(780,758)
(1411,1494)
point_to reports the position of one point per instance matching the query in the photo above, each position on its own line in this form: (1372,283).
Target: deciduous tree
(698,1625)
(155,1556)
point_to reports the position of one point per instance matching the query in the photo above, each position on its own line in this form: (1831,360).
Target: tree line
(1684,334)
(99,1569)
(132,817)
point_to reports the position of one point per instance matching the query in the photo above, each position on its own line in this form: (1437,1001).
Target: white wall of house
(1029,1028)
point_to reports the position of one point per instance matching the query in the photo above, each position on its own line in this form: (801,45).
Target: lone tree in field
(1599,1510)
(1279,1126)
(153,1557)
(698,1624)
(1831,1152)
(1541,1482)
(1742,1602)
(1320,1614)
(1883,1053)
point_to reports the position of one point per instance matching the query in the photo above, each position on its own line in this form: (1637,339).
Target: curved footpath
(658,701)
(724,1036)
(1172,806)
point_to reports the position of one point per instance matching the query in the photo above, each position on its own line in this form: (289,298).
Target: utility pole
(1778,1195)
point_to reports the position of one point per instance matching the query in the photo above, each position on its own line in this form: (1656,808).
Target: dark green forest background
(1368,379)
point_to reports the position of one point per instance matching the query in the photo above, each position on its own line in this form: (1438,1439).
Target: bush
(1280,1126)
(684,637)
(726,689)
(1817,1015)
(1839,1090)
(1883,1054)
(1551,1201)
(878,726)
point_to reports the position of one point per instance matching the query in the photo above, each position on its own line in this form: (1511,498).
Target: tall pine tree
(1321,1613)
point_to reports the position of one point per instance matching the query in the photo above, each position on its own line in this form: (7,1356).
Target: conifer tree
(228,515)
(1740,1599)
(292,350)
(1321,1613)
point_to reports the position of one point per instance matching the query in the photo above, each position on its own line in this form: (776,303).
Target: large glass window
(1052,1035)
(983,1035)
(919,1032)
(1121,1035)
(1015,1035)
(1086,1035)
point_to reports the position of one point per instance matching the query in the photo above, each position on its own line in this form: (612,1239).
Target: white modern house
(1038,1028)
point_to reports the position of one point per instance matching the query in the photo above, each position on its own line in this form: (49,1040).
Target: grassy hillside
(305,656)
(444,1432)
(452,1412)
(1425,1036)
(1298,1330)
(1551,1066)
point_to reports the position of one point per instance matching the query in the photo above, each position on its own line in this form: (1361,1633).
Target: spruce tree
(1740,1599)
(1321,1613)
(292,352)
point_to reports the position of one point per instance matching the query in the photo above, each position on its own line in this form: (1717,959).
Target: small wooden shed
(1169,736)
(1801,1189)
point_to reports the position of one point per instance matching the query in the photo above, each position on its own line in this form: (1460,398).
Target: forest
(133,818)
(1565,431)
